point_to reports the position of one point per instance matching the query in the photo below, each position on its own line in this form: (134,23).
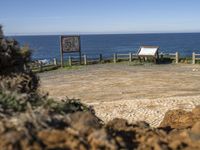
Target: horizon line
(95,33)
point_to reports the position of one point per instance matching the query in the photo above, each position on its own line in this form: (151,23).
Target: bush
(67,106)
(19,86)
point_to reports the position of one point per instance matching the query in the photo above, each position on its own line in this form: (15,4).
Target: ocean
(48,46)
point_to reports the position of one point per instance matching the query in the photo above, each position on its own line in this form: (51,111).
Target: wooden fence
(128,56)
(174,56)
(86,59)
(131,56)
(195,57)
(39,65)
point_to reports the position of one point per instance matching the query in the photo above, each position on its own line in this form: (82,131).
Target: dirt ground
(133,92)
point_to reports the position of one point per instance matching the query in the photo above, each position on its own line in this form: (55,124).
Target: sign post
(69,44)
(61,53)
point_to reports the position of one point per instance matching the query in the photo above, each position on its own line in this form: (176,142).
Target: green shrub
(19,86)
(67,106)
(11,102)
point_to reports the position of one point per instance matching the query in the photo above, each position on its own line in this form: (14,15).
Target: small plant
(68,106)
(12,102)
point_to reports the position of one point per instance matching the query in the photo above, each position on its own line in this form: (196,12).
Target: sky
(25,17)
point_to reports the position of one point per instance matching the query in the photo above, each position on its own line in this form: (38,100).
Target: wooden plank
(122,54)
(130,57)
(61,53)
(76,57)
(70,61)
(173,54)
(177,57)
(85,59)
(55,62)
(122,58)
(114,57)
(193,58)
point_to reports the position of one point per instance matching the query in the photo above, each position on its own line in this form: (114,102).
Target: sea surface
(48,46)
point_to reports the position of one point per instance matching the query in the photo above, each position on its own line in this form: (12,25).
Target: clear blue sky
(99,16)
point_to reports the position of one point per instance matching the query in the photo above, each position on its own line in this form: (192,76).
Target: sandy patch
(132,92)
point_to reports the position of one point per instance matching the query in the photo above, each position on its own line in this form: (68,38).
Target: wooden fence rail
(86,59)
(195,57)
(128,56)
(40,65)
(174,56)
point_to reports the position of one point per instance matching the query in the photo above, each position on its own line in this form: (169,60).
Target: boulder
(181,119)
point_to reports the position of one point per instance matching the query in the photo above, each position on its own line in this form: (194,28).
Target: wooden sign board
(70,44)
(148,50)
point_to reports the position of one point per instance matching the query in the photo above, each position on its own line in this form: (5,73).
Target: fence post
(130,57)
(40,66)
(177,57)
(55,61)
(193,58)
(115,58)
(161,56)
(85,59)
(100,58)
(70,61)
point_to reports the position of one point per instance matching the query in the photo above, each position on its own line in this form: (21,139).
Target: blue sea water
(48,46)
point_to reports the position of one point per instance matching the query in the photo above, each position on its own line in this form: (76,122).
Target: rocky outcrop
(181,119)
(83,130)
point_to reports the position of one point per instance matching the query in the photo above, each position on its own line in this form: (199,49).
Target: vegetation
(1,32)
(67,106)
(44,69)
(19,85)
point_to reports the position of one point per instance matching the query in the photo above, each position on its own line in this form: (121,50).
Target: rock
(84,122)
(117,123)
(122,124)
(101,140)
(196,128)
(181,119)
(196,110)
(18,140)
(58,139)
